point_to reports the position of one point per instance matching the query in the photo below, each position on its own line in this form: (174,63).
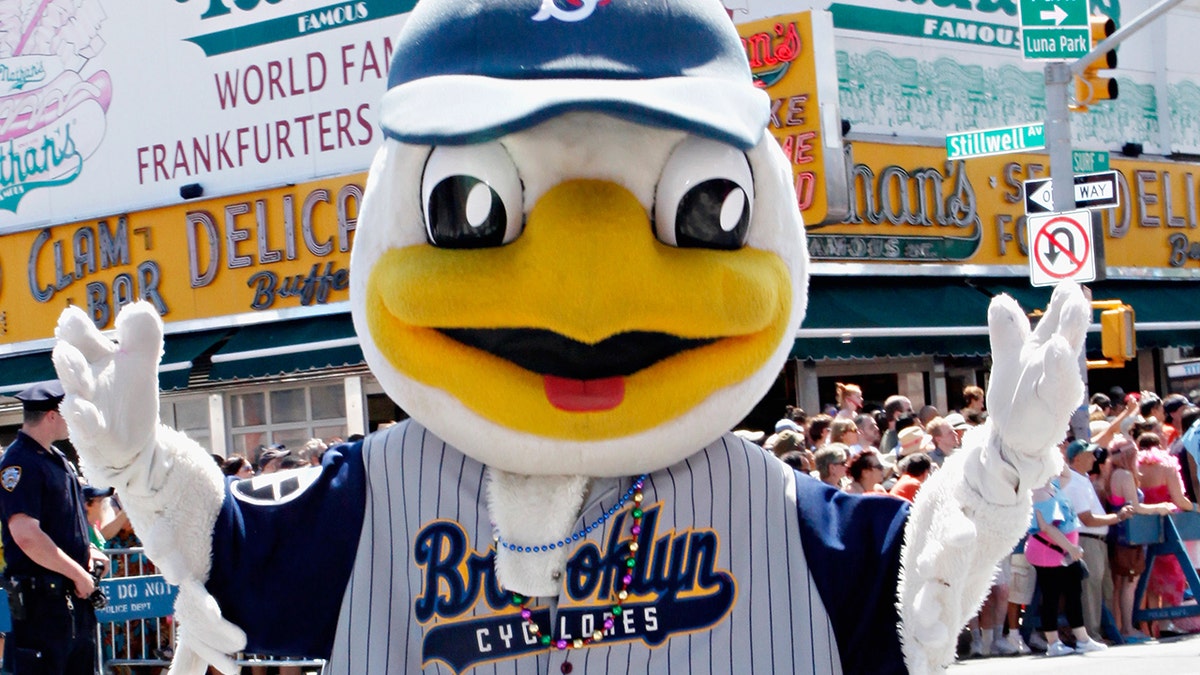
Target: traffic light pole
(1059,76)
(1062,185)
(1110,43)
(1058,134)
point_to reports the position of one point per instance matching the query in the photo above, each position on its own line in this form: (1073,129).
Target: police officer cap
(41,396)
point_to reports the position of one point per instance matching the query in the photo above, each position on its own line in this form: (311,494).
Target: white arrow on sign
(1056,15)
(1041,193)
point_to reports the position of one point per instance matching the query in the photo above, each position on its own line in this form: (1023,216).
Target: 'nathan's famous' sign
(276,249)
(908,204)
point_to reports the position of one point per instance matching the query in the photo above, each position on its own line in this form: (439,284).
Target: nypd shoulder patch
(10,477)
(280,487)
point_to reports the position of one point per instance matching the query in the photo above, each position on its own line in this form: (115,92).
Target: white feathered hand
(168,484)
(972,512)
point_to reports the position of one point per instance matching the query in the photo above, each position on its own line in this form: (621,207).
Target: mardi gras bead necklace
(629,561)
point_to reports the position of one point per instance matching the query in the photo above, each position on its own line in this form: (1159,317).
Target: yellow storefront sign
(275,249)
(910,205)
(289,248)
(793,59)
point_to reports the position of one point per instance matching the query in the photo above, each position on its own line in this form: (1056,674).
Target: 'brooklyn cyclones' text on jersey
(740,559)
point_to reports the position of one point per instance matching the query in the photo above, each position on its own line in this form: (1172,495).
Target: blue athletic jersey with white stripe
(744,566)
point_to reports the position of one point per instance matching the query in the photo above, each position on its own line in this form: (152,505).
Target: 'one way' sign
(1092,191)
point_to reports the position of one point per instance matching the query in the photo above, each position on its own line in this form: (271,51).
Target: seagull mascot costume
(578,263)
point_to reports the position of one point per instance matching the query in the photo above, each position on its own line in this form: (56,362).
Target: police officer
(47,547)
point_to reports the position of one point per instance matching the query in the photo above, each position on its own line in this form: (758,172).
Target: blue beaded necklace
(576,536)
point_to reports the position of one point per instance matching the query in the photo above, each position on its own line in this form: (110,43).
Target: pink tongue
(584,395)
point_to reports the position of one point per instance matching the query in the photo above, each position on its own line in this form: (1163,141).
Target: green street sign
(1089,161)
(1053,13)
(1054,30)
(987,142)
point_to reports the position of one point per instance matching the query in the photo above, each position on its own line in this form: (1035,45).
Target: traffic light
(1091,87)
(1117,339)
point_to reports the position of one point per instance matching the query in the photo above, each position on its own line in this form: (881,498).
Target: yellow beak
(586,268)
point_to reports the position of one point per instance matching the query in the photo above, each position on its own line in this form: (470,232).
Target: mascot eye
(704,196)
(472,197)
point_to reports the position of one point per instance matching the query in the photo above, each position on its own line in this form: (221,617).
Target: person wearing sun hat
(271,456)
(910,440)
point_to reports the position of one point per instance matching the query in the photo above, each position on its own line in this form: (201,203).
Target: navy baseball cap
(91,492)
(40,397)
(466,71)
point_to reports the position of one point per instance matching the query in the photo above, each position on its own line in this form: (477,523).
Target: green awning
(874,317)
(21,370)
(179,352)
(285,347)
(1166,311)
(820,349)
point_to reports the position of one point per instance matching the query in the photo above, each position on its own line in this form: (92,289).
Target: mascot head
(579,253)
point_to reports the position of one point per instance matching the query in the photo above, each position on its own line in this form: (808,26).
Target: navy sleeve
(852,544)
(283,550)
(25,487)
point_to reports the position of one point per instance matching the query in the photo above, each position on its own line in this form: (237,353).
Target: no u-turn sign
(1061,248)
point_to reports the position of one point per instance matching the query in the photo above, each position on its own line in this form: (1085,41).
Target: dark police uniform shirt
(43,485)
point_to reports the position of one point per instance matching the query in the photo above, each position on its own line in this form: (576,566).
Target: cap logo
(549,10)
(10,477)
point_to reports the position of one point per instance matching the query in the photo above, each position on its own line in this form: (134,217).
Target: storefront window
(328,401)
(290,416)
(189,415)
(331,432)
(248,409)
(287,405)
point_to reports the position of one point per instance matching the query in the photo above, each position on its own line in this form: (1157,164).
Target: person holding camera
(50,558)
(1054,551)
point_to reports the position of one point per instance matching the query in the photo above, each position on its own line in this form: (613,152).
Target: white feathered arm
(972,512)
(168,484)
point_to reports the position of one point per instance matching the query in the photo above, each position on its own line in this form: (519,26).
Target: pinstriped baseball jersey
(744,566)
(722,588)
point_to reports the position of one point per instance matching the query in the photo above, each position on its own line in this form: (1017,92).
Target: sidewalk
(1172,656)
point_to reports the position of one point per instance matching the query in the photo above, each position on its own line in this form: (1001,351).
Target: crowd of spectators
(866,449)
(1069,586)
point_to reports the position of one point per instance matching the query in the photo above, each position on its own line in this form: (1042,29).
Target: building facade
(214,165)
(908,250)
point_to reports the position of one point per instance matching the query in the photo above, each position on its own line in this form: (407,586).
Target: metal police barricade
(137,625)
(306,666)
(1164,536)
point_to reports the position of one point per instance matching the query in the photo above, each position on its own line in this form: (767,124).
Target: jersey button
(567,667)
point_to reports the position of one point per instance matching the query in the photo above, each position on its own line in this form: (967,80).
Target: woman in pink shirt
(1054,551)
